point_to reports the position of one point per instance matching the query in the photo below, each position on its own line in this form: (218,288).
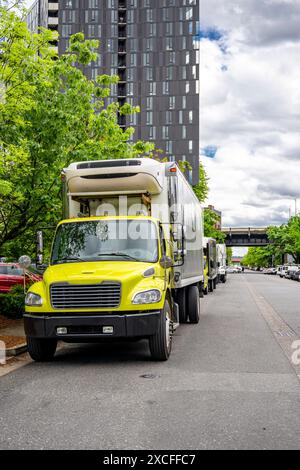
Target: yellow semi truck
(126,261)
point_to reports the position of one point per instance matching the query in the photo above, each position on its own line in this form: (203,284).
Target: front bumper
(90,326)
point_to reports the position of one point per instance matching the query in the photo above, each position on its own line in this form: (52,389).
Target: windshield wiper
(70,258)
(119,254)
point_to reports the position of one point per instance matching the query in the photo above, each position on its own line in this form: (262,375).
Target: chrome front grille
(71,296)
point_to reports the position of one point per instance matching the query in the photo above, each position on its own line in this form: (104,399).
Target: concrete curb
(16,351)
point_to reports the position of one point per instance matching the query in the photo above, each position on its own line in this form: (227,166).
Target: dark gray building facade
(151,46)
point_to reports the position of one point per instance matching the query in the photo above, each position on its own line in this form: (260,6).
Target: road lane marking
(282,332)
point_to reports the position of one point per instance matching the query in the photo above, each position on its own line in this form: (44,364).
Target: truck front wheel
(161,343)
(40,349)
(182,303)
(194,304)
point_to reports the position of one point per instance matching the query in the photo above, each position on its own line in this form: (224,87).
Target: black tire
(181,300)
(160,346)
(40,349)
(201,291)
(194,304)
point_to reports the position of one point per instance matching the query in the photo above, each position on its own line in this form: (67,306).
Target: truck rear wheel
(194,304)
(160,344)
(182,303)
(40,349)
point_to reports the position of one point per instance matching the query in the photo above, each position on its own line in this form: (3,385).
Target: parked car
(234,269)
(295,275)
(290,271)
(279,270)
(270,271)
(283,270)
(12,275)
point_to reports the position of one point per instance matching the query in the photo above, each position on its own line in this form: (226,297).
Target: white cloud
(250,108)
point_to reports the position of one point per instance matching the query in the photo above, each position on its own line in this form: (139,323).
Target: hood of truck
(129,274)
(96,272)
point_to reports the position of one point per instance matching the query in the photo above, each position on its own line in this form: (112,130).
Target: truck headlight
(33,300)
(147,297)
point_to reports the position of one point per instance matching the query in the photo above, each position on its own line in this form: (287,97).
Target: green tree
(202,188)
(229,252)
(261,257)
(50,114)
(211,220)
(286,239)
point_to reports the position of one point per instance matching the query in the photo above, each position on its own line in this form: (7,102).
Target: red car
(12,275)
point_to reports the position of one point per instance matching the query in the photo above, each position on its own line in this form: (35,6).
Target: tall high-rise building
(151,46)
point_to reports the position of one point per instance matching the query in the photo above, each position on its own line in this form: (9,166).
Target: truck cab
(210,252)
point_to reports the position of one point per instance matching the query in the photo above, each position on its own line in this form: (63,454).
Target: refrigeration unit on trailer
(222,262)
(127,260)
(210,251)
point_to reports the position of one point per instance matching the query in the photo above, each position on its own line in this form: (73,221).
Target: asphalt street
(229,384)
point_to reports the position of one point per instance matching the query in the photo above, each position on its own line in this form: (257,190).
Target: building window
(165,132)
(152,133)
(149,118)
(149,103)
(152,88)
(172,102)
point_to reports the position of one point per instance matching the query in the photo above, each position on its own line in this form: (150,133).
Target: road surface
(229,384)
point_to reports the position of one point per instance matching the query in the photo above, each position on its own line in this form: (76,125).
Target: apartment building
(151,45)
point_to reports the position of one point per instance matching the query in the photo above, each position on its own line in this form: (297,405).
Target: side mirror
(24,262)
(39,248)
(166,262)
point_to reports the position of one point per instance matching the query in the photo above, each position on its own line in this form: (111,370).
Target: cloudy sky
(250,108)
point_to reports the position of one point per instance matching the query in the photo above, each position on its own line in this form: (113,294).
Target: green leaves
(286,238)
(262,257)
(211,219)
(5,188)
(202,189)
(50,115)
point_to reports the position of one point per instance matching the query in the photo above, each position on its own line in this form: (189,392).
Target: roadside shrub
(12,304)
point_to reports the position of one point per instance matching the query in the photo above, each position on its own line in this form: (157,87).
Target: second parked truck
(126,261)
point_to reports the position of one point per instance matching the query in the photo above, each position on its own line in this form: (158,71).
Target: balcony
(122,19)
(122,4)
(122,121)
(52,21)
(122,62)
(122,76)
(122,90)
(122,32)
(53,6)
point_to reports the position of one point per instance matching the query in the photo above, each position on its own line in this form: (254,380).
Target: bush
(12,304)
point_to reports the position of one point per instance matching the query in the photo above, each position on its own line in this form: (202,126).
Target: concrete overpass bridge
(246,237)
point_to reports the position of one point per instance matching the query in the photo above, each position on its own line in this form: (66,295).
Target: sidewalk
(12,335)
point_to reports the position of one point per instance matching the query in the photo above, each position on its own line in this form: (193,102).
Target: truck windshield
(113,240)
